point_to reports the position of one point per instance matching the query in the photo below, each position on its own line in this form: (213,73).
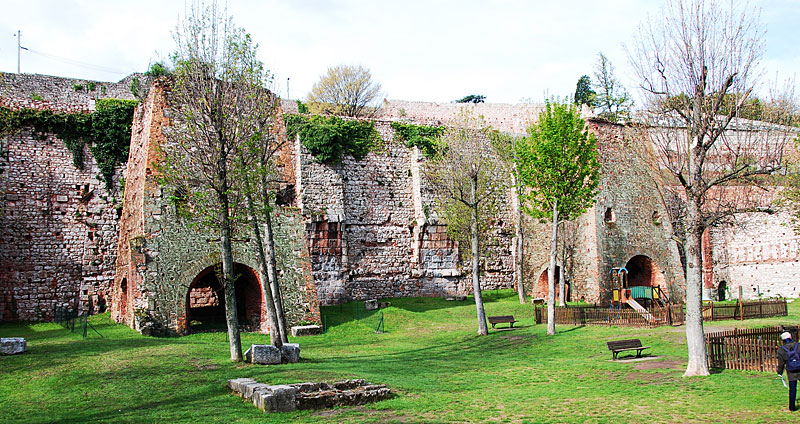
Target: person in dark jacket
(783,357)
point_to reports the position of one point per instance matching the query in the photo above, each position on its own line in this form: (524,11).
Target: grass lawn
(430,356)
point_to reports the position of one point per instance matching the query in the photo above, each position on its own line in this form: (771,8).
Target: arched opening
(722,290)
(642,271)
(123,299)
(206,300)
(542,286)
(609,217)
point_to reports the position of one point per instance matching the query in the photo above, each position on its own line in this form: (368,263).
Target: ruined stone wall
(370,235)
(759,253)
(58,224)
(162,254)
(630,215)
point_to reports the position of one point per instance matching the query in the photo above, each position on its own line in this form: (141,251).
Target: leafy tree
(557,162)
(468,179)
(584,95)
(345,90)
(612,98)
(472,98)
(688,64)
(222,107)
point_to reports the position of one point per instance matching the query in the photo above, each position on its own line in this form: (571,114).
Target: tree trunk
(230,288)
(518,268)
(272,268)
(562,283)
(275,332)
(476,283)
(695,337)
(551,275)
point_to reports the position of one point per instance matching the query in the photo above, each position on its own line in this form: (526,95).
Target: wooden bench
(622,345)
(502,318)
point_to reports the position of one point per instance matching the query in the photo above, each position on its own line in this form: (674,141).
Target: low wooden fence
(746,349)
(595,315)
(745,310)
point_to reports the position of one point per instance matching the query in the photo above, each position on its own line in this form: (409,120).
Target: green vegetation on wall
(108,128)
(328,138)
(422,136)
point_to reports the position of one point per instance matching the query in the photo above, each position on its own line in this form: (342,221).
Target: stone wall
(369,235)
(58,224)
(163,254)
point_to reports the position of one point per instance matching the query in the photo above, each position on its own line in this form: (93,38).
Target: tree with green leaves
(613,100)
(472,98)
(557,163)
(468,180)
(345,90)
(584,95)
(219,88)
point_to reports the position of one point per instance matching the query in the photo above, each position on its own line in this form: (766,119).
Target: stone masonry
(58,224)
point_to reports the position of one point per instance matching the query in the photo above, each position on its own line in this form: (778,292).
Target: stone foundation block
(13,345)
(276,399)
(263,354)
(236,385)
(290,352)
(306,330)
(371,304)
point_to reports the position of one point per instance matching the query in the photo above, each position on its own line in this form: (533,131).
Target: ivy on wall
(108,130)
(328,138)
(421,136)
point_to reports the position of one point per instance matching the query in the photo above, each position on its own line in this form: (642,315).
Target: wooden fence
(595,315)
(746,349)
(745,310)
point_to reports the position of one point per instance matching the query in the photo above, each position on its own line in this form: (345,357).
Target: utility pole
(19,48)
(287,89)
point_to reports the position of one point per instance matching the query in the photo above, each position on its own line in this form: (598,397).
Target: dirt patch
(642,376)
(673,364)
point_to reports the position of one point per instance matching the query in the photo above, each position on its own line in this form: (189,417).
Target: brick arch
(541,287)
(643,271)
(205,300)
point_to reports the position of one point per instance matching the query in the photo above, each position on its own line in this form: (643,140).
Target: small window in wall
(656,218)
(609,216)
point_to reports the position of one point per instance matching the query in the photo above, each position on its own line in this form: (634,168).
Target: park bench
(502,318)
(622,345)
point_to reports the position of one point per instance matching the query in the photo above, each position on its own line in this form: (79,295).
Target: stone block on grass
(13,345)
(290,353)
(306,330)
(276,399)
(263,354)
(371,304)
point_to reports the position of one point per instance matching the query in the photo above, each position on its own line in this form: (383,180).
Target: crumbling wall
(758,253)
(58,223)
(161,253)
(631,216)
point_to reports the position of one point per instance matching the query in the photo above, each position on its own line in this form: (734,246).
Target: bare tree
(221,105)
(468,180)
(345,90)
(687,61)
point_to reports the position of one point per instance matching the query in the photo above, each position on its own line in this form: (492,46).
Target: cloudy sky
(427,50)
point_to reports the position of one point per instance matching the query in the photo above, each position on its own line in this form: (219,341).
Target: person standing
(786,354)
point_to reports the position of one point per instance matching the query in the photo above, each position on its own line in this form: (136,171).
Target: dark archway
(722,290)
(205,300)
(642,271)
(123,300)
(541,284)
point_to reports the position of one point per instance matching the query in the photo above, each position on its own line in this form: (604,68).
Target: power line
(78,63)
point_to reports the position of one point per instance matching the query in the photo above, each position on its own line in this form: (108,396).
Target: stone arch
(541,288)
(205,300)
(722,289)
(643,271)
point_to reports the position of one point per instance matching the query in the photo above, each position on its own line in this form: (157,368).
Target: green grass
(430,356)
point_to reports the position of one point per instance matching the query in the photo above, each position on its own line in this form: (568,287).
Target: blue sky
(418,50)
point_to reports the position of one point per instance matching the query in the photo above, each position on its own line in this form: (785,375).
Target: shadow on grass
(336,315)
